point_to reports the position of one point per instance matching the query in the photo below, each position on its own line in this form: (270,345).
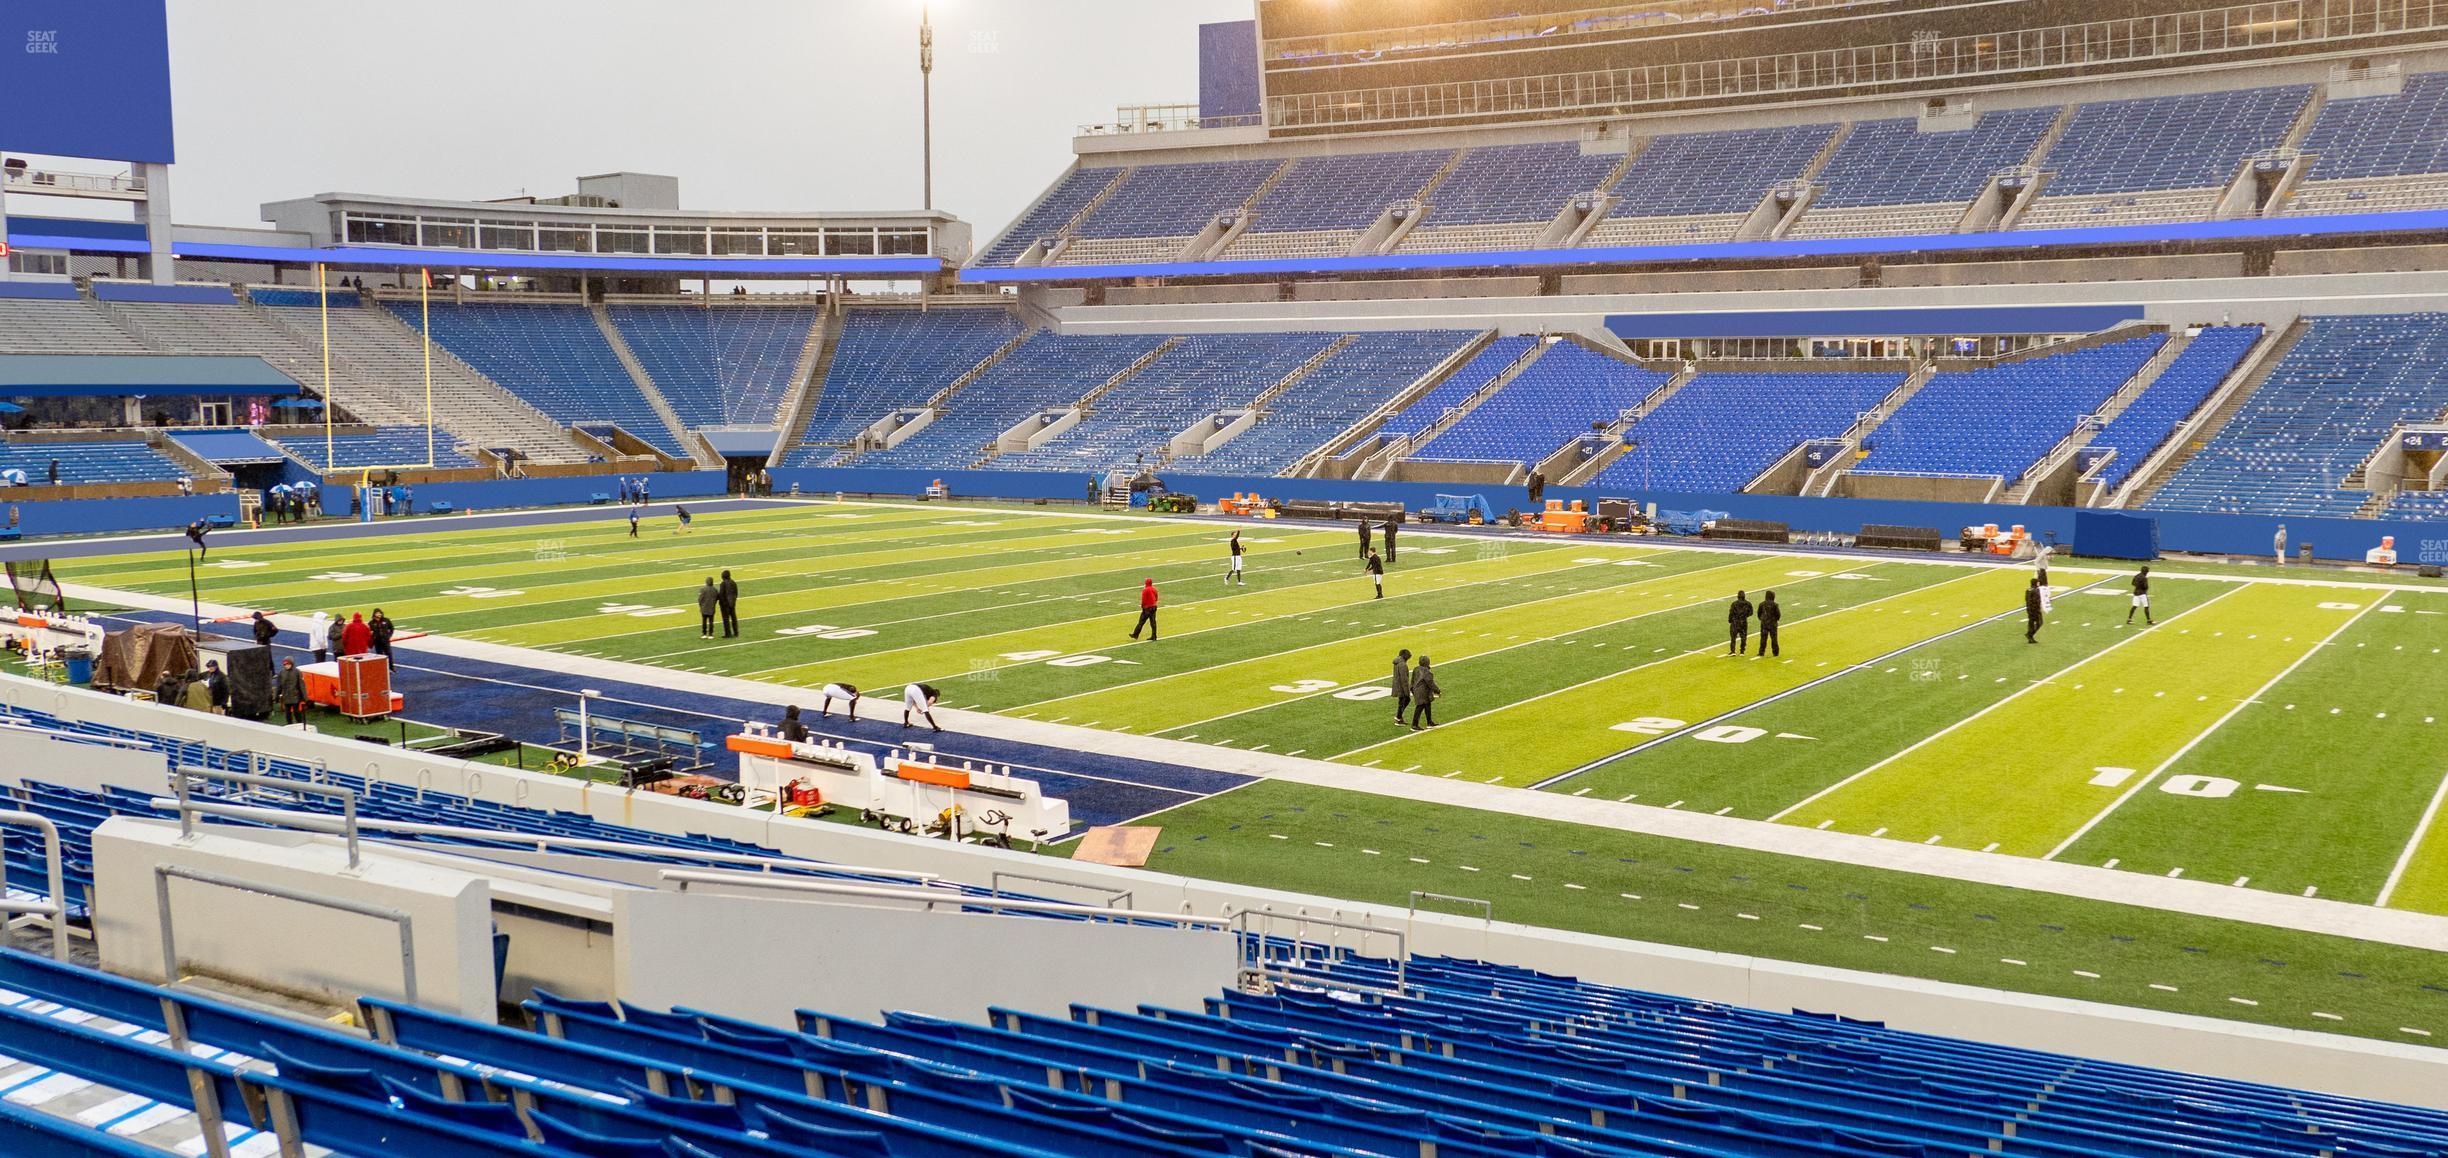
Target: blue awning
(153,375)
(740,443)
(227,447)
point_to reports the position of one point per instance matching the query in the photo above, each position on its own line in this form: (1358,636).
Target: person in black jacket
(708,599)
(1376,571)
(331,640)
(1424,693)
(216,685)
(1402,684)
(729,594)
(383,629)
(2141,598)
(792,729)
(1364,538)
(1769,614)
(2031,611)
(1389,539)
(1738,624)
(1233,574)
(290,688)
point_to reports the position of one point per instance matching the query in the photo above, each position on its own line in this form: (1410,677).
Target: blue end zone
(518,701)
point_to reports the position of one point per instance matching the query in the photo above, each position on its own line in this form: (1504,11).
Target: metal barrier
(188,808)
(163,874)
(318,822)
(686,877)
(1114,898)
(56,907)
(1487,909)
(1259,942)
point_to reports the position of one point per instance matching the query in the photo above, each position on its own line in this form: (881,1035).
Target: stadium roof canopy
(149,375)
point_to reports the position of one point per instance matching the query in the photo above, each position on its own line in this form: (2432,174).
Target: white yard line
(2405,857)
(1421,626)
(1655,662)
(2204,734)
(2018,693)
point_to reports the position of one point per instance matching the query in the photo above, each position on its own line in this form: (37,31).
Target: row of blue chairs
(2341,389)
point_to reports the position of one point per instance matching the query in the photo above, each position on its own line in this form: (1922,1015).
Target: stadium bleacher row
(509,375)
(2116,162)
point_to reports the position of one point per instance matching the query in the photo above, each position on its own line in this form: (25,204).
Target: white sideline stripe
(1798,689)
(2215,725)
(2405,857)
(1708,649)
(2018,693)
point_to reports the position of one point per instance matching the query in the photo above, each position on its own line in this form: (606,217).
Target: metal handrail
(1254,940)
(163,874)
(315,822)
(1486,908)
(56,908)
(1114,898)
(187,807)
(686,877)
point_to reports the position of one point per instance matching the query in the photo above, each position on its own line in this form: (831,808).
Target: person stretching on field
(2141,598)
(2032,606)
(1147,611)
(1234,575)
(831,692)
(920,700)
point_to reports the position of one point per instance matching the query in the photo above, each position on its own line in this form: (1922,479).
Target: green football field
(2265,734)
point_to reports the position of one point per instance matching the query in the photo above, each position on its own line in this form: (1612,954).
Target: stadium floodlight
(195,598)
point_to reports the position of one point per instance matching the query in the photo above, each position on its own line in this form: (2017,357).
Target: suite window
(450,232)
(552,240)
(509,235)
(621,241)
(679,241)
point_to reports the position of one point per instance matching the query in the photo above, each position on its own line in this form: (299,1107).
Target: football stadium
(1237,601)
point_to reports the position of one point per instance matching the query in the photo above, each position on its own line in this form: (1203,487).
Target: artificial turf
(1905,703)
(1554,874)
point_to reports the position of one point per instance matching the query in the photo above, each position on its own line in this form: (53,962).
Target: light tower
(926,109)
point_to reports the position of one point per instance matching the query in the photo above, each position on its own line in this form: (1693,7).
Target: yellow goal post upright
(425,327)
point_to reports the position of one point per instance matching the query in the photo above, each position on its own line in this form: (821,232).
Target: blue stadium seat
(2171,398)
(1342,390)
(2000,421)
(1719,430)
(2342,388)
(2195,140)
(1892,162)
(89,462)
(1557,397)
(1467,379)
(1138,418)
(387,446)
(886,360)
(1048,371)
(719,364)
(1051,213)
(552,355)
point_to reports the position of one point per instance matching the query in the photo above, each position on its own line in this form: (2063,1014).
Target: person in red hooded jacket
(357,638)
(1147,612)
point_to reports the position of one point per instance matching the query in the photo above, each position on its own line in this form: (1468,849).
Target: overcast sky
(753,104)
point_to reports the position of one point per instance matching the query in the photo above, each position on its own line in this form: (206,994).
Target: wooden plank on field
(1120,845)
